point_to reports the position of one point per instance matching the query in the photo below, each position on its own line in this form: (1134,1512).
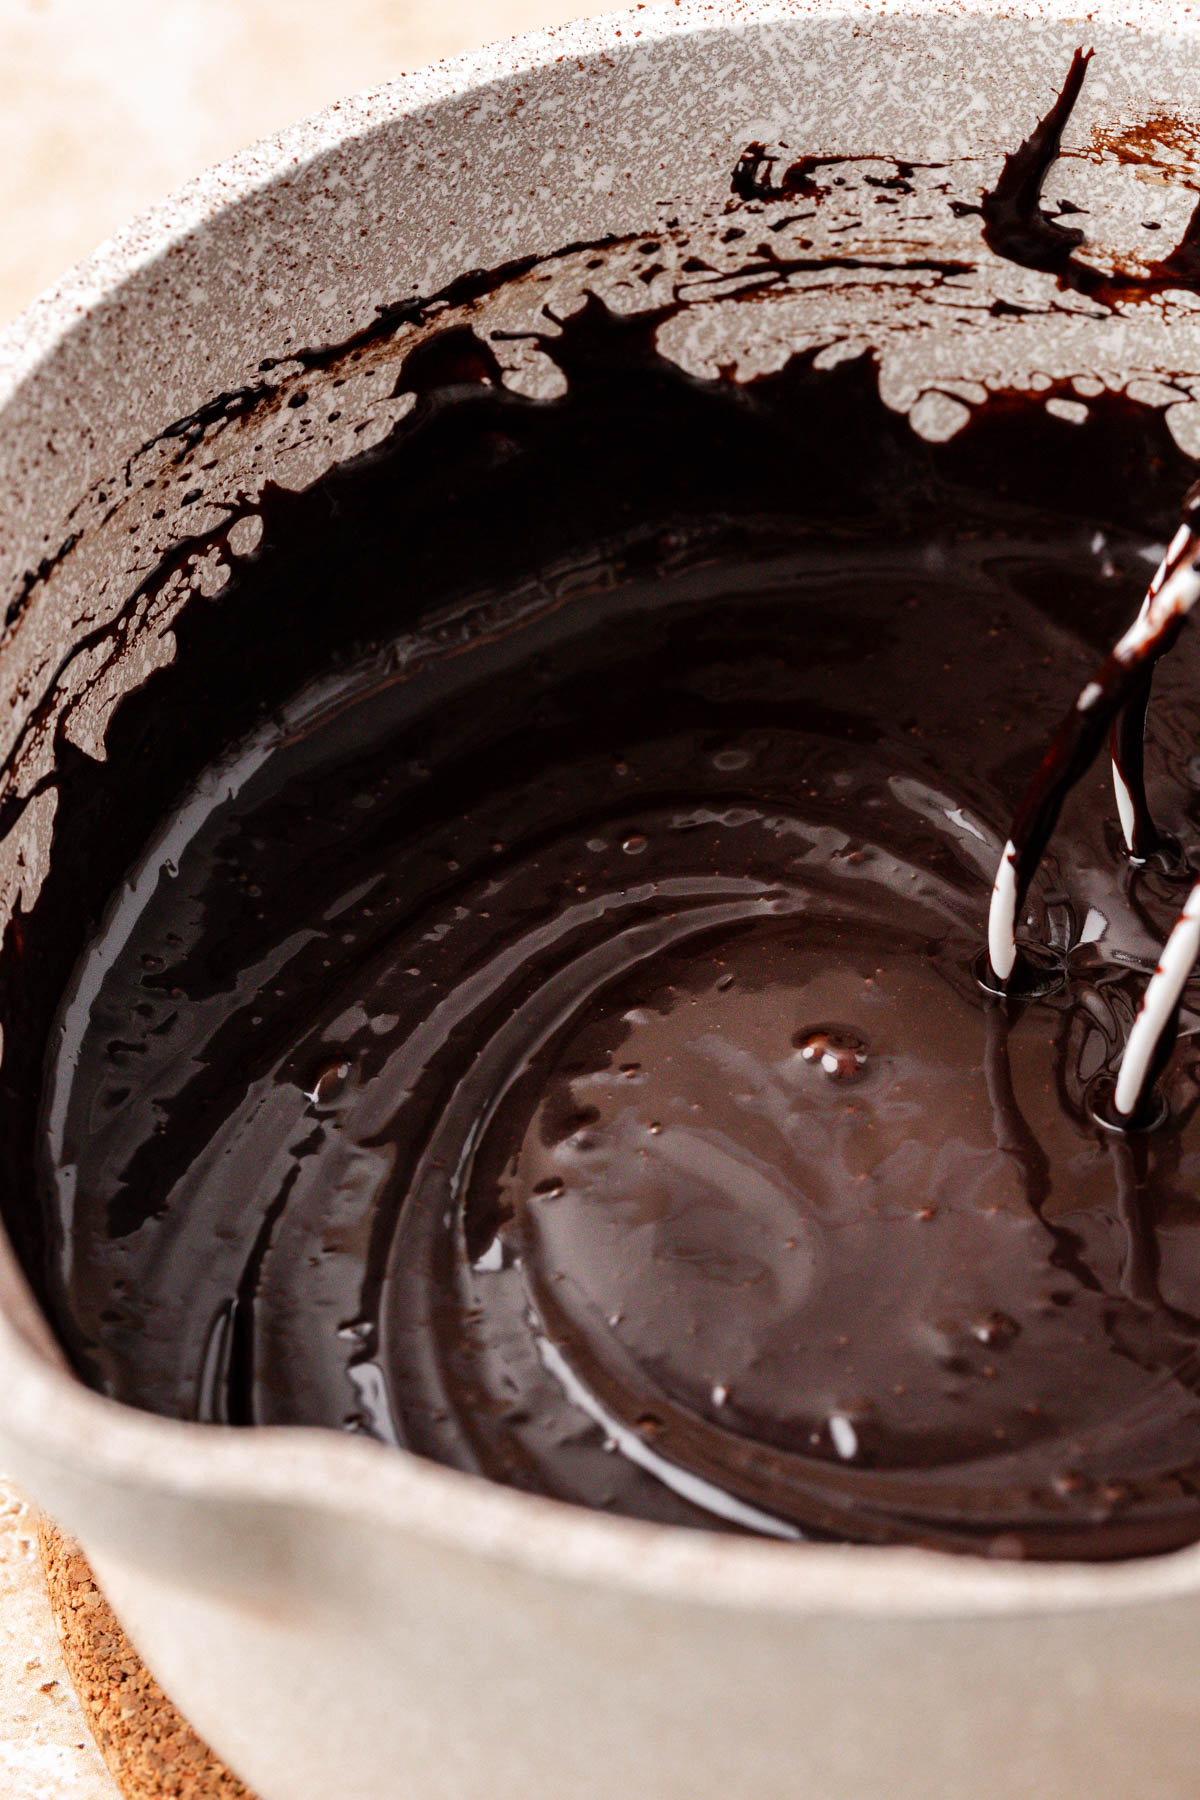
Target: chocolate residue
(1163,141)
(754,176)
(1015,226)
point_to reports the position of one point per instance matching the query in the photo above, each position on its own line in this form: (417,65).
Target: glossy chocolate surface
(555,1043)
(542,1024)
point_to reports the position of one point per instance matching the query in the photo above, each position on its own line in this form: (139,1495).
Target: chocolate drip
(1142,838)
(1156,1027)
(1016,228)
(1127,747)
(1014,225)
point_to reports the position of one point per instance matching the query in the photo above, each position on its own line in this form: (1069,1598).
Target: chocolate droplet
(995,1328)
(839,1053)
(329,1085)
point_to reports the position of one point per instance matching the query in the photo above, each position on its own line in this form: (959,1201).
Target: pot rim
(29,339)
(65,1426)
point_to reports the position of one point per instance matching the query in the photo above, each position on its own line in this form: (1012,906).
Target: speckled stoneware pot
(337,1617)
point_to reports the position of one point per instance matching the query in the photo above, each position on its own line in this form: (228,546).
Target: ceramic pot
(336,1616)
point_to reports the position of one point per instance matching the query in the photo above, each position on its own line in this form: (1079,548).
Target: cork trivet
(151,1751)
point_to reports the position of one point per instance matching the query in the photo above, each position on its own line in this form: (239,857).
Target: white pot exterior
(337,1617)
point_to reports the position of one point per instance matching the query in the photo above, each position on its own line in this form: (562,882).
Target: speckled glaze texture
(334,1616)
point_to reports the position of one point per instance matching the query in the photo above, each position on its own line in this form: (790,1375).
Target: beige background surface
(105,106)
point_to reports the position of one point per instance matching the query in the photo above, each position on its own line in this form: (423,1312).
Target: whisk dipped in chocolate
(1113,702)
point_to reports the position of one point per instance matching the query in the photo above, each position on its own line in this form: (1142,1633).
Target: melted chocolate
(552,1041)
(529,1009)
